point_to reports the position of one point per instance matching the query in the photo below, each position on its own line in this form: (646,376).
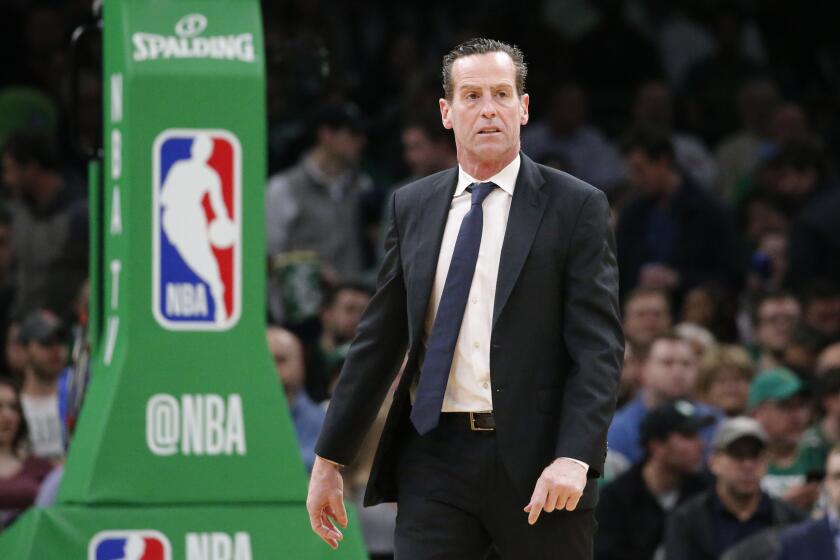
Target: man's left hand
(560,486)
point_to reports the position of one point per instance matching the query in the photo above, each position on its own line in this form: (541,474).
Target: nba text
(195,425)
(218,546)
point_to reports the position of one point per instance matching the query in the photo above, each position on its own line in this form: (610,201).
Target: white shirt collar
(504,179)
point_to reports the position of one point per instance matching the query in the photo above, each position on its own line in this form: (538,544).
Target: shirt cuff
(331,462)
(581,463)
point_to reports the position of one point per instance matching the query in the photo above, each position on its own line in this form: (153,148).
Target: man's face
(288,361)
(683,452)
(344,144)
(568,110)
(485,111)
(47,358)
(729,391)
(648,175)
(418,152)
(796,183)
(342,318)
(823,315)
(832,479)
(646,317)
(654,105)
(776,321)
(740,467)
(671,369)
(784,420)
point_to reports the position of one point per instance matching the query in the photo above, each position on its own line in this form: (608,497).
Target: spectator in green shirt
(778,403)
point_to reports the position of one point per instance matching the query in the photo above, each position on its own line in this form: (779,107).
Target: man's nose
(488,108)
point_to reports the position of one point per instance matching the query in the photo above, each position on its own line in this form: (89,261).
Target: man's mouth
(489,130)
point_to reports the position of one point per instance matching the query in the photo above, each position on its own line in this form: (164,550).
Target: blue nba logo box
(129,545)
(197,229)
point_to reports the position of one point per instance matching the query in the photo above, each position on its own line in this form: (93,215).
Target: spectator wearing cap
(669,373)
(42,335)
(711,523)
(633,509)
(778,403)
(49,226)
(725,377)
(818,538)
(316,204)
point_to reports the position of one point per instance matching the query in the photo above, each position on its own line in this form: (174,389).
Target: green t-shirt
(811,457)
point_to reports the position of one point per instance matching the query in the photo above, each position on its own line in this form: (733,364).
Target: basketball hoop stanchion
(184,448)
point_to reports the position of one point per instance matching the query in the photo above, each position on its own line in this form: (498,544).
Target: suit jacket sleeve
(593,336)
(372,361)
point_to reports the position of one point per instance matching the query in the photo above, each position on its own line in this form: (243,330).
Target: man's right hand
(325,501)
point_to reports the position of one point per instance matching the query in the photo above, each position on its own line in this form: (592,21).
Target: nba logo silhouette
(129,545)
(197,229)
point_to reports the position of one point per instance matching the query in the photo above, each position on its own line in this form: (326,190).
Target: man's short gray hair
(481,45)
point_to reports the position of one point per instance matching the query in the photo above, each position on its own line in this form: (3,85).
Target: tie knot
(480,191)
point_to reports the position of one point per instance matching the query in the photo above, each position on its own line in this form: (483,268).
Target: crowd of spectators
(714,129)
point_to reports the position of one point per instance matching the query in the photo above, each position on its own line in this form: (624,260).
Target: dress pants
(456,502)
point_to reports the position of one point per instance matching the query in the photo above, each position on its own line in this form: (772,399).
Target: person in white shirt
(41,333)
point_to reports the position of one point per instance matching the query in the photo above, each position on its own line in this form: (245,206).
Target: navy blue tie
(440,346)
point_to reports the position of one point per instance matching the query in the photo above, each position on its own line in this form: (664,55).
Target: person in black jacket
(633,508)
(672,235)
(709,524)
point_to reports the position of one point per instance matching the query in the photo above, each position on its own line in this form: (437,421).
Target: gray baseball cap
(733,429)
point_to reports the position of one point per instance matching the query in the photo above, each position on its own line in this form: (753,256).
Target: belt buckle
(475,428)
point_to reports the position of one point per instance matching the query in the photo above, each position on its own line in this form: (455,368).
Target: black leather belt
(475,421)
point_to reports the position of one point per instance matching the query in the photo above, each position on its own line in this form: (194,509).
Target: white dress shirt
(468,388)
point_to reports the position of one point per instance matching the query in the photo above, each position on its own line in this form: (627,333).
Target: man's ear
(524,115)
(444,113)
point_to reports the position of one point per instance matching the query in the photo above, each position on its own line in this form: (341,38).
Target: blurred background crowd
(713,127)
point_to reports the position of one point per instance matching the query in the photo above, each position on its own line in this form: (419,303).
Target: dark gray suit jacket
(556,343)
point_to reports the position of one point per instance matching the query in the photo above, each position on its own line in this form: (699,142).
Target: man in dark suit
(817,538)
(499,290)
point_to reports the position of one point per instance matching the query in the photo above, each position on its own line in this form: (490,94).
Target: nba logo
(129,545)
(197,229)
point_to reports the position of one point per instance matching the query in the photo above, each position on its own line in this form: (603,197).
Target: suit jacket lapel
(434,212)
(526,210)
